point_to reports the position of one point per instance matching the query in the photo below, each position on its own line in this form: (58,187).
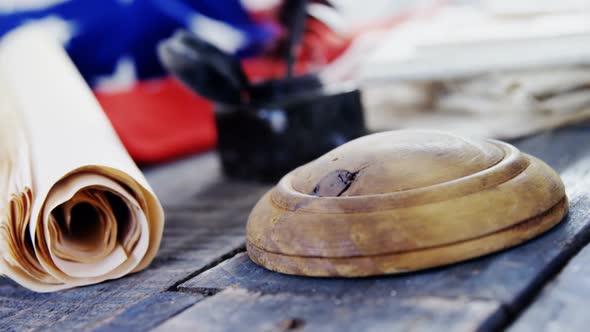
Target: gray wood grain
(563,304)
(201,230)
(236,309)
(179,182)
(150,312)
(503,283)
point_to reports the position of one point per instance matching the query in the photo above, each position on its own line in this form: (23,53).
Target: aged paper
(74,208)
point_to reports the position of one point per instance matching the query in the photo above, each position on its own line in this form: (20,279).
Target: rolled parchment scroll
(74,208)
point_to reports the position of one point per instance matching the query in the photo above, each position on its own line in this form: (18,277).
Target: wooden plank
(197,184)
(239,310)
(563,305)
(150,312)
(180,182)
(505,281)
(195,238)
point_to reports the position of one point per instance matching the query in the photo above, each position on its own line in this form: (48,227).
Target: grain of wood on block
(403,201)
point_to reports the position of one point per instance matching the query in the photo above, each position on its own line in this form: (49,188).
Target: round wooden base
(403,201)
(363,266)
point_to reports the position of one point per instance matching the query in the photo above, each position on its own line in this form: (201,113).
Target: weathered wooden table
(202,280)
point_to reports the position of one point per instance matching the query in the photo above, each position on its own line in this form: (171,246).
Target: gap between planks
(212,264)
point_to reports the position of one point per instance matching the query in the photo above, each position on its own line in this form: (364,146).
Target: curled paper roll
(74,208)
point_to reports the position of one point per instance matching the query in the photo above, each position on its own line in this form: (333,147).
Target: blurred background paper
(76,210)
(501,69)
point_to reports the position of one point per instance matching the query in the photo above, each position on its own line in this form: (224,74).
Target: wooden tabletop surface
(202,280)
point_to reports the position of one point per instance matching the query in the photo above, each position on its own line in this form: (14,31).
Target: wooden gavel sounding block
(403,201)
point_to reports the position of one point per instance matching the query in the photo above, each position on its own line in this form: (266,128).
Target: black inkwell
(265,129)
